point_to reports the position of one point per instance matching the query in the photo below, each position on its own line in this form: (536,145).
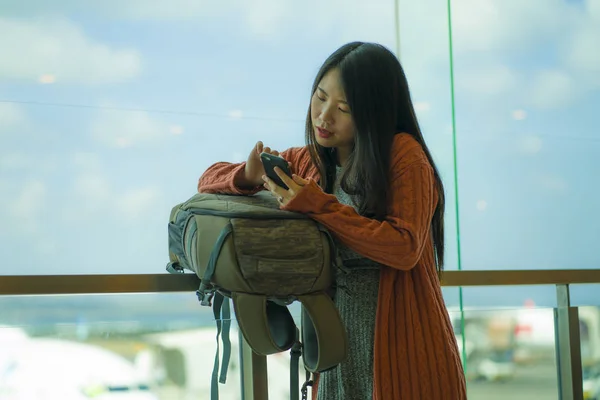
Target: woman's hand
(254,169)
(295,185)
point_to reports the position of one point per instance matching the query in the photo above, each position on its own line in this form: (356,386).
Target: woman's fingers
(299,180)
(259,147)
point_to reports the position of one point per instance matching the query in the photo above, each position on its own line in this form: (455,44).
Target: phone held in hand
(270,162)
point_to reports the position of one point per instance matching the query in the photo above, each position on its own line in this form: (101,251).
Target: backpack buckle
(174,268)
(205,295)
(307,383)
(205,298)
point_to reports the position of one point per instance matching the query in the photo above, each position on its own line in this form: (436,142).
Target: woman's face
(331,117)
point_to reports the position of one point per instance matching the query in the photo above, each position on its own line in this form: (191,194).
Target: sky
(110,111)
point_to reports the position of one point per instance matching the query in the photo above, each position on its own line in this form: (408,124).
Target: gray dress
(356,300)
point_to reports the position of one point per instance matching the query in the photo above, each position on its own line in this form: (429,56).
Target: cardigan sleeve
(397,241)
(220,177)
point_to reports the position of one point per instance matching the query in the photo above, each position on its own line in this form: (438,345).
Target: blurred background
(111,110)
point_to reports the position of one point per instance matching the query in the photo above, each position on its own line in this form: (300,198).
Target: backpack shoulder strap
(268,327)
(324,339)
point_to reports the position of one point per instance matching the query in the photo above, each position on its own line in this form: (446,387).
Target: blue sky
(109,113)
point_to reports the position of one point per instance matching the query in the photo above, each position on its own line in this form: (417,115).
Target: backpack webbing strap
(267,327)
(335,258)
(308,383)
(222,314)
(204,292)
(324,339)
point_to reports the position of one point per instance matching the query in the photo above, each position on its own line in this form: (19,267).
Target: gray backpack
(246,249)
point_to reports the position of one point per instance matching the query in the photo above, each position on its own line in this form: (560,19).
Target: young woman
(367,175)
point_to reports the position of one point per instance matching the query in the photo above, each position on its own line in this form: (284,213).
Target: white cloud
(530,144)
(519,115)
(552,89)
(554,183)
(136,203)
(124,129)
(494,42)
(168,10)
(235,114)
(15,161)
(86,161)
(490,80)
(27,205)
(93,193)
(264,18)
(47,79)
(137,10)
(422,106)
(578,53)
(94,188)
(272,20)
(491,25)
(57,49)
(176,129)
(482,205)
(11,115)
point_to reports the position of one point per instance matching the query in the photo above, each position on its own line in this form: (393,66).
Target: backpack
(246,249)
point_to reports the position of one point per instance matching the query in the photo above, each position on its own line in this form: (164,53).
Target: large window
(110,111)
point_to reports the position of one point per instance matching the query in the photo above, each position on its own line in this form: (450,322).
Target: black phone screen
(270,162)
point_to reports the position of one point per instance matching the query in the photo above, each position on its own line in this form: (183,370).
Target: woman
(367,175)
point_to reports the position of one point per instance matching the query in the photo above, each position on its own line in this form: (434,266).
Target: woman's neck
(342,155)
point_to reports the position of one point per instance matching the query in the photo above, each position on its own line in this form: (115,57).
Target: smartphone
(270,162)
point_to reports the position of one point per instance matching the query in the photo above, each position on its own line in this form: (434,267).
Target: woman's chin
(325,142)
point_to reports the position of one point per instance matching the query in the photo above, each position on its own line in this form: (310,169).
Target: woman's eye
(344,111)
(320,98)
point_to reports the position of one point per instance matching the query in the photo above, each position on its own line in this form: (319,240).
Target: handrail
(566,317)
(151,283)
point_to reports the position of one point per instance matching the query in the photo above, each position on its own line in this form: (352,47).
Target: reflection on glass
(509,353)
(525,99)
(110,112)
(142,347)
(589,330)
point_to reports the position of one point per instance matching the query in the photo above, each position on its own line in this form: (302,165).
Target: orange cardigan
(416,354)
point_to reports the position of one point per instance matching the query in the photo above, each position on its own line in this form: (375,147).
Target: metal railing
(254,386)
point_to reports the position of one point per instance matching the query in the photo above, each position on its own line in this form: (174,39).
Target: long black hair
(380,104)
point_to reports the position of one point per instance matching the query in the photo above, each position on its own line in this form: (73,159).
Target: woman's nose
(327,115)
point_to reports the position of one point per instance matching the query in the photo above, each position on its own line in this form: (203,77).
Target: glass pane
(585,295)
(586,298)
(142,347)
(510,296)
(451,297)
(110,111)
(426,68)
(527,95)
(509,353)
(279,365)
(589,331)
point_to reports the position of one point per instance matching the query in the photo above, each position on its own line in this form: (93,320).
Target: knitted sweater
(356,301)
(415,353)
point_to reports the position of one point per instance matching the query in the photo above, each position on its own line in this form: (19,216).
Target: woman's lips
(323,133)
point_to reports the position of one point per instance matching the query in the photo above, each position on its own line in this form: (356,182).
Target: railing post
(254,380)
(568,346)
(245,368)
